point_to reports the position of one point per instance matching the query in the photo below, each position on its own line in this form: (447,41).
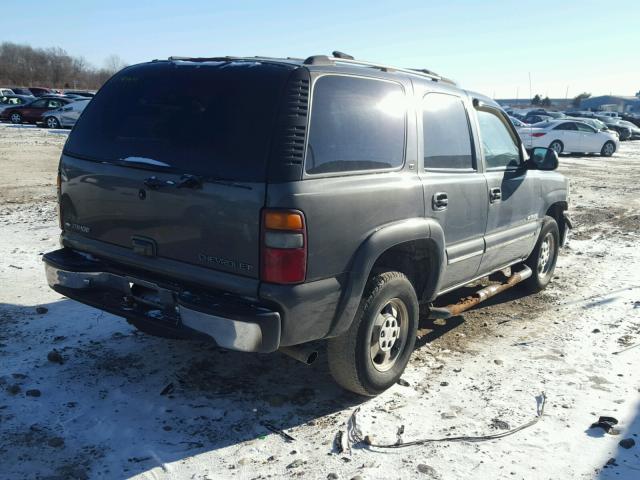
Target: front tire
(542,260)
(16,118)
(608,149)
(557,146)
(371,356)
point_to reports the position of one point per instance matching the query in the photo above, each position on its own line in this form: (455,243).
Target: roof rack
(339,57)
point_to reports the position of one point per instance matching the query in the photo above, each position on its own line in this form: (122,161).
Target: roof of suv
(341,62)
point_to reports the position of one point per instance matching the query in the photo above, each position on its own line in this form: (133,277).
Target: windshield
(211,118)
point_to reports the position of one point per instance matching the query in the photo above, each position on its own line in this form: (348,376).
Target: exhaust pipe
(302,353)
(480,296)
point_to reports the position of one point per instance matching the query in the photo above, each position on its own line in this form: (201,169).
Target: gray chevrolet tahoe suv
(266,203)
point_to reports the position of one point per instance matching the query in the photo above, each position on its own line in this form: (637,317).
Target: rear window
(212,119)
(356,124)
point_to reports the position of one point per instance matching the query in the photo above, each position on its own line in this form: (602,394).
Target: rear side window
(566,126)
(356,124)
(445,126)
(213,119)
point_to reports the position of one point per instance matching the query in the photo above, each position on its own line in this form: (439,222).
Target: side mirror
(543,159)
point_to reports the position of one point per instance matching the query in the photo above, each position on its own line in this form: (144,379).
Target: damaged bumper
(231,321)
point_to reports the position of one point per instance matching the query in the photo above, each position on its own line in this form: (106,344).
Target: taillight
(59,197)
(539,134)
(284,247)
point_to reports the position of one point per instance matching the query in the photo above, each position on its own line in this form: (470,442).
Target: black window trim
(512,132)
(314,80)
(474,159)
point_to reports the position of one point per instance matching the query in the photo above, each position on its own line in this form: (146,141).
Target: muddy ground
(119,404)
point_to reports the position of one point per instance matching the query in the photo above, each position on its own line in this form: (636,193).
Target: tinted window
(356,124)
(585,128)
(498,145)
(566,126)
(39,103)
(447,143)
(212,119)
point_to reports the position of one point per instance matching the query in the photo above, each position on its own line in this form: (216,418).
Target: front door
(455,191)
(512,220)
(589,138)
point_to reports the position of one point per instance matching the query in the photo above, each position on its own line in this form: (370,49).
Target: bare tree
(22,65)
(113,63)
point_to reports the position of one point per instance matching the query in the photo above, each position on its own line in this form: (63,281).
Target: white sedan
(569,136)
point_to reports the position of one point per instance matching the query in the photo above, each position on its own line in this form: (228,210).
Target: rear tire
(51,122)
(542,260)
(608,149)
(372,355)
(16,118)
(557,146)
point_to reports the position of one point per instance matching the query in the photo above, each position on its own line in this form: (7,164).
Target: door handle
(440,201)
(495,194)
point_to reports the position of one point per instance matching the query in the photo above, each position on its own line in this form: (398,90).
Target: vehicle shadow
(126,402)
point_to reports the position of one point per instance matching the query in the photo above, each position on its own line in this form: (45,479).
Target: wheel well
(417,259)
(557,212)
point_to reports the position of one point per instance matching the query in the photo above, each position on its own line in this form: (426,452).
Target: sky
(565,46)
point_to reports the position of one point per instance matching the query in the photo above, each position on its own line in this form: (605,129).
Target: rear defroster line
(355,437)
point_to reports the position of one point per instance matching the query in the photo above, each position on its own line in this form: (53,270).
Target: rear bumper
(232,322)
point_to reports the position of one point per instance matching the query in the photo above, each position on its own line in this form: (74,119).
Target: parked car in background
(613,124)
(536,118)
(40,91)
(635,130)
(7,101)
(633,118)
(609,114)
(79,93)
(65,116)
(517,123)
(594,122)
(569,136)
(6,91)
(32,112)
(22,91)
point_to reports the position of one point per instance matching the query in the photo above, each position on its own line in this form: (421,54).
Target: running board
(478,297)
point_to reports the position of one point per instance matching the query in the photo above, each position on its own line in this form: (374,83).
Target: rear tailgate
(169,160)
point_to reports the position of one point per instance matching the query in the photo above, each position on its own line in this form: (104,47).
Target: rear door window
(566,126)
(356,124)
(213,118)
(446,136)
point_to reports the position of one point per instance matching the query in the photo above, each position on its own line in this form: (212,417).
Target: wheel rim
(557,147)
(389,334)
(545,257)
(15,118)
(52,122)
(608,149)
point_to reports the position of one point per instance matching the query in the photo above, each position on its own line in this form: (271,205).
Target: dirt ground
(118,404)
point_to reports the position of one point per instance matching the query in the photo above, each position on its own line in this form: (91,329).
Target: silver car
(65,116)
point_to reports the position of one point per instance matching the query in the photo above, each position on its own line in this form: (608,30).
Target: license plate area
(157,302)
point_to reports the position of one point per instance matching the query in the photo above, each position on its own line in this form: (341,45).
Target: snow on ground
(123,404)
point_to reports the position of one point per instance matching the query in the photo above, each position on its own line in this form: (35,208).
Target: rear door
(513,199)
(32,111)
(455,190)
(169,160)
(568,134)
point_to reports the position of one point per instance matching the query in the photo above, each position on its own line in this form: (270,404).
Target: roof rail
(339,57)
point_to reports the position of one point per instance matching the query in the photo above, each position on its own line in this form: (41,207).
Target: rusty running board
(478,297)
